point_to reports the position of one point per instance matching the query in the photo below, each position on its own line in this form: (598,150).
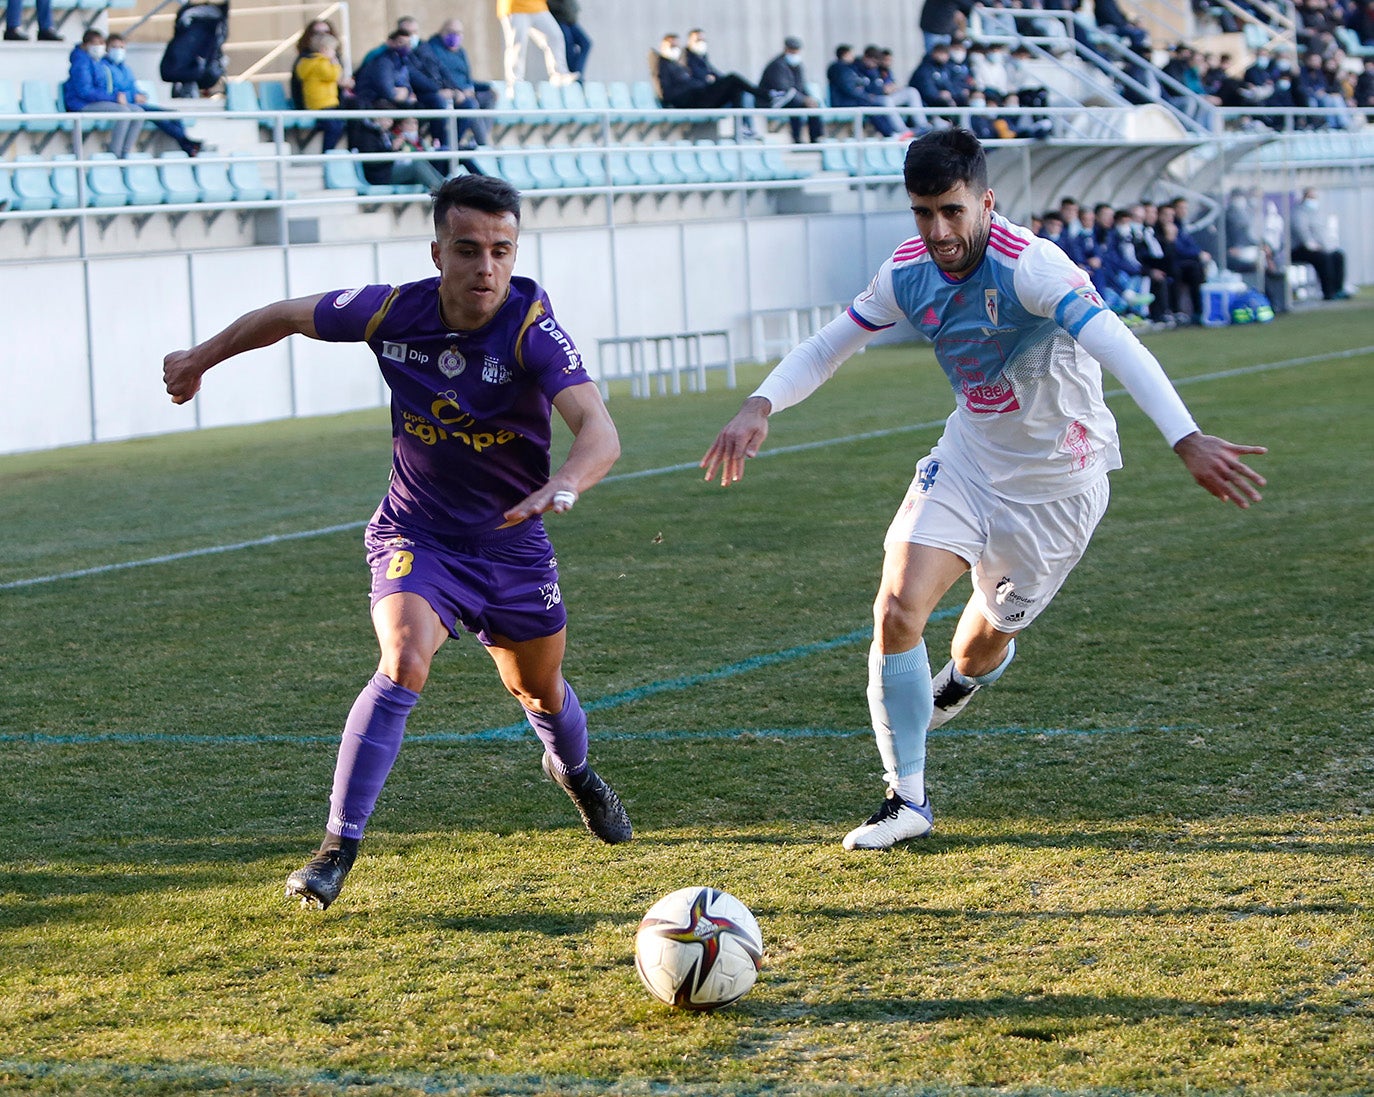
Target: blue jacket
(454,65)
(124,79)
(848,86)
(88,81)
(380,77)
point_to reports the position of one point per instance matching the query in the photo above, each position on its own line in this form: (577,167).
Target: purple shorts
(503,588)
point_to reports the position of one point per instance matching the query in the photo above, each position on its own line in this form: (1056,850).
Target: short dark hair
(942,159)
(485,193)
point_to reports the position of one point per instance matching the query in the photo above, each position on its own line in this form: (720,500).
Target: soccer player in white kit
(1018,481)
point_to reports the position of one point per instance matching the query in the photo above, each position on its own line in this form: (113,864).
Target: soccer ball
(698,948)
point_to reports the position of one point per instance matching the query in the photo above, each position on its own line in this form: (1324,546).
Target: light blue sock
(900,702)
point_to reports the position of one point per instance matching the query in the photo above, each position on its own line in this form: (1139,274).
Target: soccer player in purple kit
(475,361)
(1017,483)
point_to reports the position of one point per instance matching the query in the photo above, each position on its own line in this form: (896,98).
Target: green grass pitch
(1151,868)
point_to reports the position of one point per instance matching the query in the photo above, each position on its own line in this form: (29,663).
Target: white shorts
(1020,553)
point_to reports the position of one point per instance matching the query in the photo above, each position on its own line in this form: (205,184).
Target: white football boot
(896,821)
(950,696)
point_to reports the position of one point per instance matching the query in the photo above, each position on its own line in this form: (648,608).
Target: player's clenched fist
(181,376)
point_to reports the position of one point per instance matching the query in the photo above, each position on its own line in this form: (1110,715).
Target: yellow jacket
(520,7)
(319,78)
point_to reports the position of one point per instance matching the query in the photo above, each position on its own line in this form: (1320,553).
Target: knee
(406,667)
(897,625)
(544,696)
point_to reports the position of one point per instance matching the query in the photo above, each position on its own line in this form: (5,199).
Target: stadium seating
(66,180)
(566,168)
(40,97)
(142,181)
(513,168)
(342,171)
(592,165)
(105,182)
(10,122)
(212,177)
(178,178)
(31,185)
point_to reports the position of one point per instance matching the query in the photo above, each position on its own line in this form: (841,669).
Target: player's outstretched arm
(182,370)
(741,438)
(1216,464)
(595,448)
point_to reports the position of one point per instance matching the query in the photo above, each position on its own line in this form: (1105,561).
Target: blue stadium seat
(525,100)
(598,100)
(9,108)
(643,99)
(40,97)
(618,169)
(688,164)
(540,166)
(839,156)
(515,171)
(722,161)
(272,95)
(341,171)
(566,168)
(105,182)
(212,177)
(66,180)
(664,165)
(592,165)
(575,98)
(246,180)
(32,184)
(642,166)
(240,95)
(178,178)
(777,167)
(621,101)
(142,180)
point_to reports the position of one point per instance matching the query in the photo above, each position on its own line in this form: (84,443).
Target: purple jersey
(469,409)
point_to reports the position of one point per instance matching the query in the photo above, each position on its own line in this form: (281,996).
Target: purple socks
(371,740)
(563,734)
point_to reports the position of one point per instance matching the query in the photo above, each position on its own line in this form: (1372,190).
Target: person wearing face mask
(384,75)
(523,20)
(91,87)
(1309,246)
(126,89)
(680,88)
(783,84)
(444,56)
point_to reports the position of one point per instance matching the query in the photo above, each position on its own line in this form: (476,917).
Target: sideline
(663,470)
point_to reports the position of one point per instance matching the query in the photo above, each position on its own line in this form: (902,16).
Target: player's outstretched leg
(899,702)
(317,883)
(953,690)
(595,801)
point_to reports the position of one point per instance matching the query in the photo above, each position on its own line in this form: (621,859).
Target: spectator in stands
(90,86)
(937,81)
(1121,270)
(783,85)
(317,81)
(1361,21)
(1322,90)
(849,88)
(1112,19)
(523,20)
(1309,246)
(1149,249)
(1364,86)
(1051,226)
(943,20)
(903,98)
(1246,251)
(989,67)
(382,134)
(1012,122)
(697,58)
(1187,263)
(14,21)
(577,43)
(961,69)
(1287,93)
(314,26)
(126,88)
(680,89)
(445,56)
(384,75)
(194,60)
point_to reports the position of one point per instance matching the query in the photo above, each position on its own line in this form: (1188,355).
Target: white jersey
(1030,420)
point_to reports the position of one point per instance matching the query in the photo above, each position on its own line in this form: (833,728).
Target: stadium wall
(88,368)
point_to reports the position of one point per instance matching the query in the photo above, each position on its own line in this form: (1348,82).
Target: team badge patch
(452,363)
(990,305)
